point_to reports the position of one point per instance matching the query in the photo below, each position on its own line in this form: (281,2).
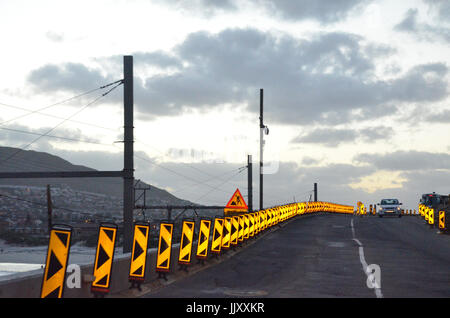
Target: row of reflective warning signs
(362,210)
(429,216)
(214,236)
(58,257)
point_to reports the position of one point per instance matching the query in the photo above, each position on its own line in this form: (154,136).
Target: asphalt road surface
(328,256)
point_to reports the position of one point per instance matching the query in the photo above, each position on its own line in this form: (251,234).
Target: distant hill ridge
(30,160)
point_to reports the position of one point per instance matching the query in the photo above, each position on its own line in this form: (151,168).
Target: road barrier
(246,227)
(56,262)
(216,243)
(187,240)
(438,218)
(241,229)
(138,260)
(251,230)
(113,275)
(226,235)
(234,230)
(203,239)
(431,216)
(104,259)
(442,220)
(164,248)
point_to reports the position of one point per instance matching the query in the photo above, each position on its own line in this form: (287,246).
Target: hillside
(29,160)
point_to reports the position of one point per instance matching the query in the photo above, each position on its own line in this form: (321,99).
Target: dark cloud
(310,161)
(206,8)
(323,79)
(406,160)
(442,117)
(376,133)
(304,79)
(425,31)
(333,137)
(409,23)
(442,7)
(68,77)
(159,59)
(324,11)
(328,136)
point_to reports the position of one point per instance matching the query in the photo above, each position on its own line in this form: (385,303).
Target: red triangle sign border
(240,207)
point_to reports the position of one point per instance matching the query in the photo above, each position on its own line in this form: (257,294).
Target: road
(324,256)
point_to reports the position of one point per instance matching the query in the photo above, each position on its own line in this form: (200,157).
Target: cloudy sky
(356,93)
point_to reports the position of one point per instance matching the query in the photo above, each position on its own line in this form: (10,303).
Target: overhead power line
(53,136)
(60,102)
(177,173)
(63,121)
(221,184)
(52,116)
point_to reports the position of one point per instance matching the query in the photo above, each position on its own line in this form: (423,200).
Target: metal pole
(49,209)
(128,162)
(261,145)
(315,192)
(250,183)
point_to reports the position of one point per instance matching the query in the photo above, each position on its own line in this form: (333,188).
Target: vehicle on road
(437,202)
(434,200)
(389,207)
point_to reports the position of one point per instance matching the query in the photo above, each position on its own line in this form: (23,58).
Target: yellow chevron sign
(251,231)
(187,237)
(139,253)
(216,243)
(104,257)
(431,217)
(246,227)
(234,230)
(56,262)
(241,229)
(263,220)
(270,217)
(203,238)
(257,222)
(442,220)
(226,235)
(164,247)
(273,219)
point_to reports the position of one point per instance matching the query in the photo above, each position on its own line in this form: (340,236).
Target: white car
(389,207)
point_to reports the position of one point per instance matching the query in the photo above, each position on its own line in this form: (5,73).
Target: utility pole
(49,209)
(315,192)
(261,145)
(128,166)
(262,130)
(250,183)
(169,214)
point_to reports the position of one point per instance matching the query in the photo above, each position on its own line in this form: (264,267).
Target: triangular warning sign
(237,202)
